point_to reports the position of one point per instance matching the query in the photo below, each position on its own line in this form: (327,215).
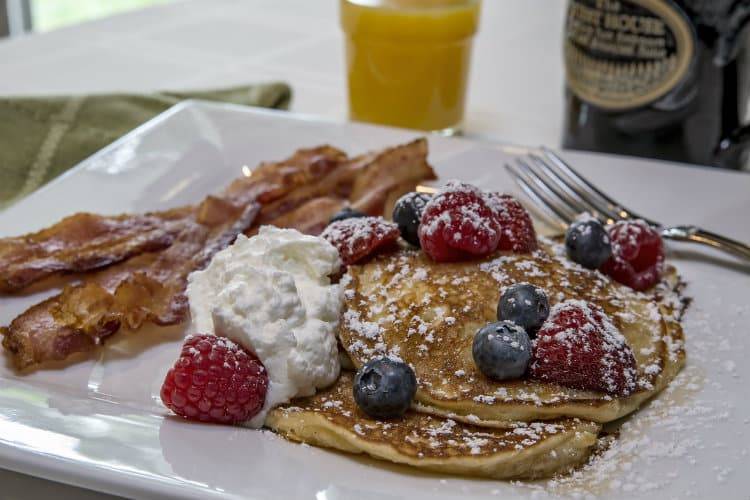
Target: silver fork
(562,193)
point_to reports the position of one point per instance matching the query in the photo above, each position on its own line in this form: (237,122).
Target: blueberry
(384,388)
(525,305)
(346,213)
(588,244)
(407,212)
(501,350)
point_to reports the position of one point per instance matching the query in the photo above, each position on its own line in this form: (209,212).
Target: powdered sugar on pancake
(435,311)
(580,347)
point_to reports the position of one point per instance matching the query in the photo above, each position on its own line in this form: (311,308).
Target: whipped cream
(272,294)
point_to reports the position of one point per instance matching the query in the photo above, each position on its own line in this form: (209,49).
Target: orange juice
(408,60)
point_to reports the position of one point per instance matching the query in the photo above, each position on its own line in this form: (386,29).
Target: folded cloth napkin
(42,137)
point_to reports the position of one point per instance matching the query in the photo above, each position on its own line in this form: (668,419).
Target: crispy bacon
(309,218)
(302,192)
(393,166)
(385,177)
(86,242)
(83,242)
(146,288)
(367,181)
(304,167)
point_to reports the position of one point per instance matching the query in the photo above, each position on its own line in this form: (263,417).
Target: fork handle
(697,235)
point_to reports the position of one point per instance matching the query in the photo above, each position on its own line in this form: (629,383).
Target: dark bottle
(658,78)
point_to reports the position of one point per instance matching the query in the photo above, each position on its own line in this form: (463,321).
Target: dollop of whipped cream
(272,294)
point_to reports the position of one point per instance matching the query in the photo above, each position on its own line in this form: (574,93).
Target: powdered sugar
(690,442)
(576,335)
(471,214)
(434,318)
(457,223)
(358,237)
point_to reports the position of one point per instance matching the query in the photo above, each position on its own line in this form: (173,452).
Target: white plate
(98,423)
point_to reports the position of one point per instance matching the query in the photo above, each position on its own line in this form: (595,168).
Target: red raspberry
(579,347)
(458,224)
(356,238)
(516,229)
(215,380)
(637,255)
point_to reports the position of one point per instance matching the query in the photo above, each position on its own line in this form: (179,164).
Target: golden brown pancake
(332,419)
(407,306)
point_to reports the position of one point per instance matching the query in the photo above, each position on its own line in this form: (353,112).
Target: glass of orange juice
(408,61)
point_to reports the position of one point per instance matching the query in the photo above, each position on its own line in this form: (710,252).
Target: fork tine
(542,199)
(585,202)
(544,173)
(553,197)
(612,205)
(580,180)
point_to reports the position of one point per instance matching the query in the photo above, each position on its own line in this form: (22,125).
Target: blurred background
(23,16)
(516,88)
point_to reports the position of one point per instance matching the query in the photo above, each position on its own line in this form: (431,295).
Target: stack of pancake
(404,305)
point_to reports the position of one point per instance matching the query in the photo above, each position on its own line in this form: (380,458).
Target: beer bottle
(658,78)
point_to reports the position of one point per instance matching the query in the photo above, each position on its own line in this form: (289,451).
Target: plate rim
(187,104)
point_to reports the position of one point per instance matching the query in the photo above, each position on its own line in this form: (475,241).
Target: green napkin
(42,137)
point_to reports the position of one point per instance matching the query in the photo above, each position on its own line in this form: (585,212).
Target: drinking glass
(408,61)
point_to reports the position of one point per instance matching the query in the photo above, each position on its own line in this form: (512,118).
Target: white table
(516,85)
(515,93)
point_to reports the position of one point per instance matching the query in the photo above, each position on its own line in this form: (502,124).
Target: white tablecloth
(515,93)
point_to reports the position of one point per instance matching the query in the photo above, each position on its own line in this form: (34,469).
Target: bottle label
(622,54)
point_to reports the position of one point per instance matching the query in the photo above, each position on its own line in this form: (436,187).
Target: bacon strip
(146,288)
(309,218)
(305,167)
(368,181)
(302,192)
(86,242)
(385,177)
(83,242)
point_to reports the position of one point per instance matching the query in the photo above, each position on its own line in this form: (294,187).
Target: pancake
(332,419)
(407,306)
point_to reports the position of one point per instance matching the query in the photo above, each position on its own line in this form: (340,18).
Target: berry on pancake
(525,305)
(384,388)
(587,243)
(408,212)
(501,350)
(517,232)
(637,255)
(458,224)
(358,237)
(579,347)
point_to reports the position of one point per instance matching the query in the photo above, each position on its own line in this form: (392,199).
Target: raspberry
(358,237)
(458,224)
(516,229)
(215,380)
(637,255)
(579,347)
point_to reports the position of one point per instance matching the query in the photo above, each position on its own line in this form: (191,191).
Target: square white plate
(98,422)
